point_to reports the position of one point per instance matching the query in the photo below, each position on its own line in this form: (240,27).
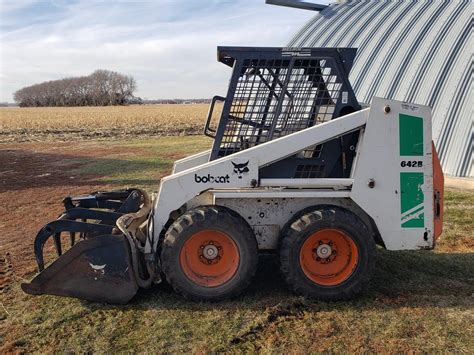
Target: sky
(168,46)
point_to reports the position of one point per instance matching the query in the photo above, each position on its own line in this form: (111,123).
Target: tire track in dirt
(6,272)
(275,315)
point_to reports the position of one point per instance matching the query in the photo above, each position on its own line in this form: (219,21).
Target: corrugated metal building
(416,51)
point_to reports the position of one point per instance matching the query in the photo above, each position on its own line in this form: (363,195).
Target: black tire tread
(207,217)
(327,216)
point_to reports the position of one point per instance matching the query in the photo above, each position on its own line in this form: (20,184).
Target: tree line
(101,88)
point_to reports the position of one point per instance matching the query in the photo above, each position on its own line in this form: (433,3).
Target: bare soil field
(66,123)
(418,301)
(35,177)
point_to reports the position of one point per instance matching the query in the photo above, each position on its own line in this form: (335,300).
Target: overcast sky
(169,46)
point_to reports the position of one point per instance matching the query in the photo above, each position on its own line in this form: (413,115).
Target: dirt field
(422,300)
(35,177)
(66,123)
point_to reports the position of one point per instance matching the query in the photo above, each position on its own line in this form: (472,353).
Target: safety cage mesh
(277,97)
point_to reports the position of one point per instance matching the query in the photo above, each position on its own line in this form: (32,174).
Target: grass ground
(143,161)
(417,301)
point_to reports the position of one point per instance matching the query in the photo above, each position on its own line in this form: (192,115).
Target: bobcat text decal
(224,179)
(239,170)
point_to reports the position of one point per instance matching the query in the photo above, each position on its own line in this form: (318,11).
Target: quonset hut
(416,51)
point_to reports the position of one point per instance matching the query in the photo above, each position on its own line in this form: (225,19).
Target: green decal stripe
(417,222)
(411,135)
(409,214)
(411,200)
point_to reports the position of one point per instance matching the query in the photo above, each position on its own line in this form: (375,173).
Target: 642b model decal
(411,164)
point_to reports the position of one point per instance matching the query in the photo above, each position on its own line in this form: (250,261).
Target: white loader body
(391,182)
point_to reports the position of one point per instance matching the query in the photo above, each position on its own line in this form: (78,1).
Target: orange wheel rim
(209,258)
(328,257)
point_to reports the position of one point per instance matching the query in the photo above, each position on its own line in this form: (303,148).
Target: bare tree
(101,88)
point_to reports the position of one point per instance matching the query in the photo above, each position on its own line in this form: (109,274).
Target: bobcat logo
(241,169)
(99,270)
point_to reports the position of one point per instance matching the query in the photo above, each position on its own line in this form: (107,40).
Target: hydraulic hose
(129,224)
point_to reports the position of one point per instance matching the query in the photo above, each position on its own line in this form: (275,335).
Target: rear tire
(209,254)
(327,254)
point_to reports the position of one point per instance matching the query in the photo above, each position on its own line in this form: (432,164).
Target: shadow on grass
(401,279)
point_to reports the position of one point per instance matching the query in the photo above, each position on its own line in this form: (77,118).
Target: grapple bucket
(97,269)
(104,265)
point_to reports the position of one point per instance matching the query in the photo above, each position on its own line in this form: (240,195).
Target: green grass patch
(417,301)
(144,169)
(458,226)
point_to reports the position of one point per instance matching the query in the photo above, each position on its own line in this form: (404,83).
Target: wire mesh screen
(277,97)
(309,171)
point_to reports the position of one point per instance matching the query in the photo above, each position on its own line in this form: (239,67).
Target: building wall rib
(418,51)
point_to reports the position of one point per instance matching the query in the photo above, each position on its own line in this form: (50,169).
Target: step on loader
(297,167)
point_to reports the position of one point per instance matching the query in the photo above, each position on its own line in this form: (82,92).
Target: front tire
(209,253)
(327,254)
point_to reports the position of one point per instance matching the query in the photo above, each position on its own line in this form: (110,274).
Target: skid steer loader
(297,167)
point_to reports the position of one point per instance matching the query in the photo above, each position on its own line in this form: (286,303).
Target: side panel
(191,161)
(393,178)
(268,215)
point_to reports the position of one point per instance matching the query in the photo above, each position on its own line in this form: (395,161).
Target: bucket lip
(31,288)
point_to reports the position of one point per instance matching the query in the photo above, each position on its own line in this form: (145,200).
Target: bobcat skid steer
(297,167)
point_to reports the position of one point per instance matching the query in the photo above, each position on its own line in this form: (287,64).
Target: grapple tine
(57,243)
(62,225)
(72,237)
